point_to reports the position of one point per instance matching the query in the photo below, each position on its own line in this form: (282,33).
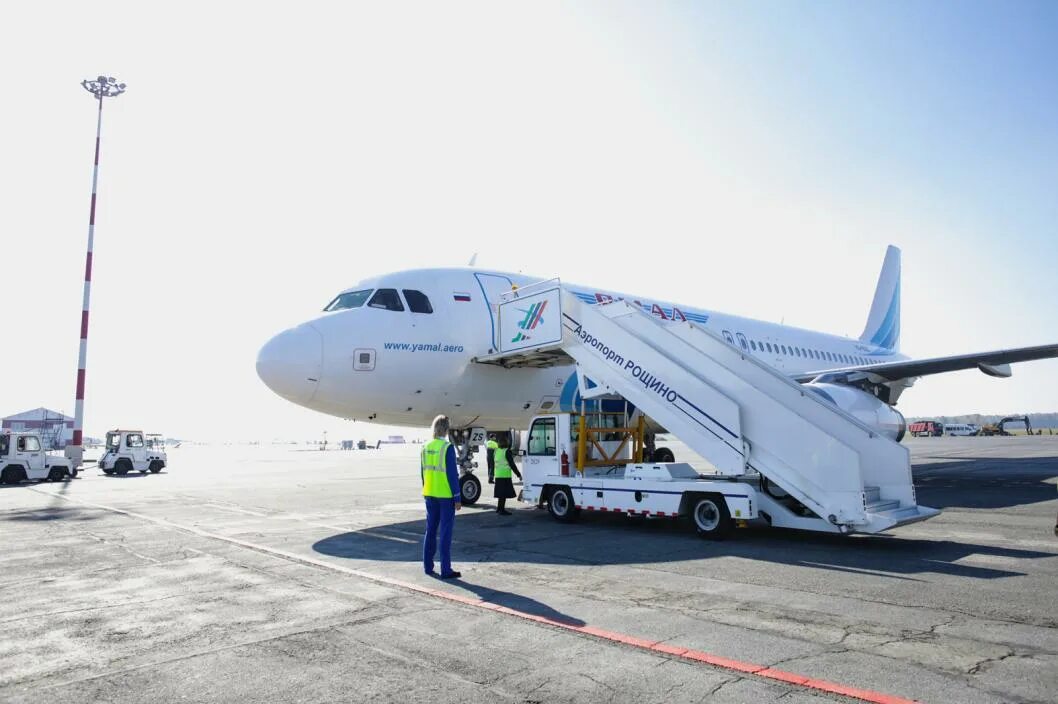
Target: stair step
(872,493)
(881,506)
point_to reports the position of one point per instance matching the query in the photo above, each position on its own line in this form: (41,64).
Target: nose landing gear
(467,442)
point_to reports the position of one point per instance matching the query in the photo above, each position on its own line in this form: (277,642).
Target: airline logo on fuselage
(534,315)
(658,310)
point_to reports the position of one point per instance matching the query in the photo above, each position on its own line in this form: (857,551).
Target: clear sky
(751,157)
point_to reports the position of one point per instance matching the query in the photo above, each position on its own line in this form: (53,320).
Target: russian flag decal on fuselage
(461,297)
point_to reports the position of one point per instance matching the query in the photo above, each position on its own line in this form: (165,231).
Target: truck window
(417,301)
(386,298)
(113,440)
(28,443)
(134,440)
(542,437)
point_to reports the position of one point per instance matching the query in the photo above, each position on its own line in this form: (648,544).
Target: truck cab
(22,458)
(132,450)
(594,462)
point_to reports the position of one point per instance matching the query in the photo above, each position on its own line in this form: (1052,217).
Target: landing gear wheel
(664,454)
(469,489)
(560,505)
(711,517)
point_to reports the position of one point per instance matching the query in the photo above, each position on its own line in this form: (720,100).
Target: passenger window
(386,298)
(542,437)
(134,440)
(417,301)
(769,347)
(352,299)
(742,341)
(753,344)
(783,347)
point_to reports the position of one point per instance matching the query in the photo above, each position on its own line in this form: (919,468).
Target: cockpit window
(352,299)
(417,301)
(386,298)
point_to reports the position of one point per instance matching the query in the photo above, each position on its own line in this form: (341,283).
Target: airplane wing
(991,363)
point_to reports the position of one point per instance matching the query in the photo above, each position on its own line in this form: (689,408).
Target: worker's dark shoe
(451,575)
(429,573)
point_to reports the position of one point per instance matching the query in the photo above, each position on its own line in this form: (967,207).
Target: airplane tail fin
(883,322)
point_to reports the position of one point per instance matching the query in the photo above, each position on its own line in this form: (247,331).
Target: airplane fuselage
(379,361)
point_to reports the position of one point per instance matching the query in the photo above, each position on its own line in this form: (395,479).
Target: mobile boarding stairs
(754,424)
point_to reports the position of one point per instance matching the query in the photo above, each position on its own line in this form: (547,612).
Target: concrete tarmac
(252,574)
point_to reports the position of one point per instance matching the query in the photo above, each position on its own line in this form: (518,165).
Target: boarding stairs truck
(22,458)
(127,451)
(782,452)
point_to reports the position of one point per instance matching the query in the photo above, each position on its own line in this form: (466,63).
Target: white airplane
(400,349)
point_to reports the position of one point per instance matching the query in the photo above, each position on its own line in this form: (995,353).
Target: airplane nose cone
(291,362)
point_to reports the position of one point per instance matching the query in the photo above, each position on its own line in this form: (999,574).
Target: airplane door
(730,340)
(493,286)
(742,341)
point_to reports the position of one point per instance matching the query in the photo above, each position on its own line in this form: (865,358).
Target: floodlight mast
(101,87)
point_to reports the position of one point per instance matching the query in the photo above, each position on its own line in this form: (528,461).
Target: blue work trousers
(440,513)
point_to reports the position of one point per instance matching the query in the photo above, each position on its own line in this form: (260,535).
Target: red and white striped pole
(101,87)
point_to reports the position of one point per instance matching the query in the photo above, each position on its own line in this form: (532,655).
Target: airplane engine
(875,414)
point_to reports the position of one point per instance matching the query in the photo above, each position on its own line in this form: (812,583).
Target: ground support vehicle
(128,451)
(1000,428)
(794,455)
(22,458)
(926,428)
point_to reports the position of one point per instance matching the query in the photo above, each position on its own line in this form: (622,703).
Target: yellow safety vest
(434,476)
(503,470)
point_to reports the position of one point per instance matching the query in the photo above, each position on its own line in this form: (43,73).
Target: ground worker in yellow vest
(440,490)
(490,454)
(504,468)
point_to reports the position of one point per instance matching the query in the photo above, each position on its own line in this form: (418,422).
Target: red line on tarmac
(717,661)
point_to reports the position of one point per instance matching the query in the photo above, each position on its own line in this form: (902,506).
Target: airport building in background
(55,429)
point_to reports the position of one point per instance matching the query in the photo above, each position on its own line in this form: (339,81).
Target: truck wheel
(13,475)
(108,472)
(122,467)
(560,505)
(55,474)
(711,517)
(156,466)
(469,489)
(663,454)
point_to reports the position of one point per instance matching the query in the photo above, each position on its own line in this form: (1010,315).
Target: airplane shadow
(602,539)
(986,482)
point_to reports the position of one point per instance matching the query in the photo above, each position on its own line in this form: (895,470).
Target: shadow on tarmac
(532,536)
(986,482)
(516,602)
